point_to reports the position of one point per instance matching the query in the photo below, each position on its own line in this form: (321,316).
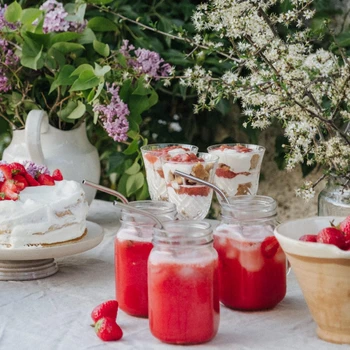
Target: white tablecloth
(54,312)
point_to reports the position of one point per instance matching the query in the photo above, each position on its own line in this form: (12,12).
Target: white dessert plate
(93,237)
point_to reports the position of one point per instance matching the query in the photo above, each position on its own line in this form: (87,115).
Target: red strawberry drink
(132,247)
(192,199)
(252,265)
(238,170)
(183,284)
(151,156)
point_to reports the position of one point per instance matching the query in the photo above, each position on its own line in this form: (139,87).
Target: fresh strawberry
(10,190)
(308,238)
(345,226)
(20,179)
(186,158)
(17,169)
(45,179)
(194,190)
(107,329)
(331,235)
(57,175)
(151,157)
(6,171)
(269,247)
(31,181)
(108,308)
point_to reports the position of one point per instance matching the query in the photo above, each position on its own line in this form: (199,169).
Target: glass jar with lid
(183,283)
(252,265)
(133,244)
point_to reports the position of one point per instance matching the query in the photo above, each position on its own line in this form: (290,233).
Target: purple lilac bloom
(55,18)
(8,62)
(114,115)
(3,22)
(35,169)
(147,62)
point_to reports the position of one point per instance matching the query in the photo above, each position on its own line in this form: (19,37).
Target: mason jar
(132,246)
(183,283)
(252,265)
(334,199)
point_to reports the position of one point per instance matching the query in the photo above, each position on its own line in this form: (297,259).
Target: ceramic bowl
(323,273)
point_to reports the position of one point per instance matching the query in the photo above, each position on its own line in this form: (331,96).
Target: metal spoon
(203,182)
(125,205)
(106,190)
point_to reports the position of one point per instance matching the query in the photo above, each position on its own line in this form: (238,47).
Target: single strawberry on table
(108,308)
(107,329)
(17,168)
(57,175)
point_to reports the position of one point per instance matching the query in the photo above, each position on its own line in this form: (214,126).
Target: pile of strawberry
(104,317)
(337,235)
(14,178)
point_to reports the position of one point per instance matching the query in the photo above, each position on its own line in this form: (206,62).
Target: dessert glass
(252,265)
(192,199)
(151,155)
(182,283)
(238,170)
(133,244)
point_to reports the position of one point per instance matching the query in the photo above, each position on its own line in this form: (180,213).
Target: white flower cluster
(277,78)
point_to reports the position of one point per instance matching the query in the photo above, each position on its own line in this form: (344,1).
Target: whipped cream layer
(44,215)
(154,172)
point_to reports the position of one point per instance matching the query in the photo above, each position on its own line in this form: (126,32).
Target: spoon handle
(106,190)
(206,183)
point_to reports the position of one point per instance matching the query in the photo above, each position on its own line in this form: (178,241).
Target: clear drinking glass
(182,283)
(151,155)
(253,266)
(192,199)
(238,170)
(133,244)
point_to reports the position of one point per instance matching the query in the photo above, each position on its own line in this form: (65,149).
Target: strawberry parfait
(238,170)
(152,159)
(252,265)
(192,199)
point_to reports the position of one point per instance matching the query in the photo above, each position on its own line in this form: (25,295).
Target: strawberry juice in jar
(252,265)
(183,283)
(133,244)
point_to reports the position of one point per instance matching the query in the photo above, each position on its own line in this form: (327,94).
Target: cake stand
(21,264)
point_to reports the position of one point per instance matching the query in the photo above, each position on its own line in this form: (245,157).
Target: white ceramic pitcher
(70,151)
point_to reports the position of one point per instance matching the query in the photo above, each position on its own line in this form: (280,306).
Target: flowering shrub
(54,57)
(278,75)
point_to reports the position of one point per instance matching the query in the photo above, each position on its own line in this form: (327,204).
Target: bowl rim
(310,249)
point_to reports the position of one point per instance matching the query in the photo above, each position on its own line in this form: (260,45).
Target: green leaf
(86,80)
(134,169)
(101,71)
(31,54)
(64,78)
(30,15)
(134,183)
(82,68)
(138,104)
(102,24)
(13,12)
(122,184)
(65,112)
(67,47)
(100,2)
(98,91)
(132,148)
(115,162)
(101,48)
(87,37)
(143,192)
(343,39)
(153,99)
(141,89)
(78,112)
(125,90)
(64,37)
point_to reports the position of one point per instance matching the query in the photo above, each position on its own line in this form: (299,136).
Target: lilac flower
(35,169)
(3,22)
(8,62)
(146,62)
(55,18)
(113,115)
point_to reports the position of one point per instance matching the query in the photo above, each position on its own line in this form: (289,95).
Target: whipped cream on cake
(239,168)
(38,209)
